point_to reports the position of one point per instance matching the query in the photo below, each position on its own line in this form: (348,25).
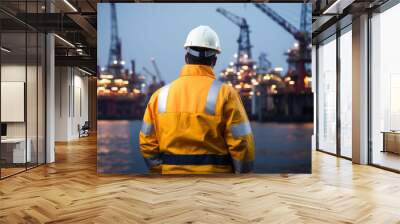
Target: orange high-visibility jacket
(197,125)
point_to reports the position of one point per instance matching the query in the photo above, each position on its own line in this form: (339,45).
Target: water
(280,148)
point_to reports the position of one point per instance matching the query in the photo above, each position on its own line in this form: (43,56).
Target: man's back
(188,126)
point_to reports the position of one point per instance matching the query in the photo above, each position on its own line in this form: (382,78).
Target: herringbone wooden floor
(70,191)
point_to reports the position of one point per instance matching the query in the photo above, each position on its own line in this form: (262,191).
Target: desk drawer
(392,142)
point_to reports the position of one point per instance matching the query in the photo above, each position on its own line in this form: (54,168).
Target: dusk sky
(159,30)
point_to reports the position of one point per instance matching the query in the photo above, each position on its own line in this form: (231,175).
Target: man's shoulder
(227,89)
(154,96)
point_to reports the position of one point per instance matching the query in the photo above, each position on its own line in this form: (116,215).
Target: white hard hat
(203,36)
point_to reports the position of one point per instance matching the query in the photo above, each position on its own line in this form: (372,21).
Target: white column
(360,90)
(50,100)
(50,92)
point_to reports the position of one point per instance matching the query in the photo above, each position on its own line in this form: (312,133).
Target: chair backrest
(86,125)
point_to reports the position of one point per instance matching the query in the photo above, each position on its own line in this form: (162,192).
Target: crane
(148,73)
(153,62)
(244,35)
(156,75)
(305,22)
(115,63)
(302,35)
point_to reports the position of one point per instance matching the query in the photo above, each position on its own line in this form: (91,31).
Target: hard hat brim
(215,49)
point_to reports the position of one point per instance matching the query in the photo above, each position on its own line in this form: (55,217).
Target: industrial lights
(254,82)
(64,40)
(119,81)
(247,86)
(106,76)
(70,5)
(5,50)
(104,81)
(101,89)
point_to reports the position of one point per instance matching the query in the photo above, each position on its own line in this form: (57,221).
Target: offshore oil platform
(123,93)
(267,94)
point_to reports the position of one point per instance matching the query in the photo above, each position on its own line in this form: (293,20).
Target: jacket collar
(197,70)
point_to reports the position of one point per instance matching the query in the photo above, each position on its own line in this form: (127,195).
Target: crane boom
(302,53)
(239,21)
(280,20)
(244,35)
(147,71)
(153,62)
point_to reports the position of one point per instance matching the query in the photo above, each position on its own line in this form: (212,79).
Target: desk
(391,141)
(18,150)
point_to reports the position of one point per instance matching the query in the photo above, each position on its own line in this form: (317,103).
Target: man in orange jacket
(196,124)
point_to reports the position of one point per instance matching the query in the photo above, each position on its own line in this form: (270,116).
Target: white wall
(33,126)
(16,73)
(71,102)
(80,110)
(61,103)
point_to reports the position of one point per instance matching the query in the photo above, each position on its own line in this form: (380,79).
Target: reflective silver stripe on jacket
(152,161)
(243,166)
(242,129)
(212,97)
(147,128)
(162,99)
